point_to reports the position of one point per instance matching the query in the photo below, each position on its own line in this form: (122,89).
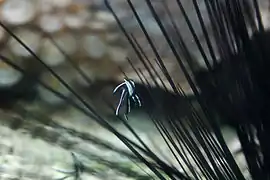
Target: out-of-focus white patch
(51,22)
(105,17)
(50,53)
(231,139)
(77,20)
(9,77)
(94,46)
(97,25)
(266,20)
(28,37)
(265,12)
(18,12)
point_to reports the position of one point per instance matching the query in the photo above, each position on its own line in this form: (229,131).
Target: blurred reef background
(36,137)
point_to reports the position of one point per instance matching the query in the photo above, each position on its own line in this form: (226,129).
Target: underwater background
(82,42)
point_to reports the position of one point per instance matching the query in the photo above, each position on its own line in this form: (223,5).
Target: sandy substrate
(33,150)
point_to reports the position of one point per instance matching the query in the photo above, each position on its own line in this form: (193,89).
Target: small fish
(128,94)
